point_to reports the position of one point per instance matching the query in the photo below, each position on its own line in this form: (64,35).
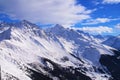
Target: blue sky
(93,16)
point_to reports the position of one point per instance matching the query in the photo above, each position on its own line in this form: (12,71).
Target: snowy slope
(24,47)
(85,45)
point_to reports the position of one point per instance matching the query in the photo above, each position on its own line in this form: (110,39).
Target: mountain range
(28,52)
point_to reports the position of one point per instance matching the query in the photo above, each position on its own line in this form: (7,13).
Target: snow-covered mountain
(28,52)
(101,38)
(84,44)
(113,41)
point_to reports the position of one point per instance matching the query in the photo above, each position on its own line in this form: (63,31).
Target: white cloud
(96,30)
(46,11)
(98,21)
(111,1)
(95,2)
(103,20)
(117,26)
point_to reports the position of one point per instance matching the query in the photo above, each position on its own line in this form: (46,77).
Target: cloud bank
(96,30)
(46,11)
(111,1)
(117,26)
(98,21)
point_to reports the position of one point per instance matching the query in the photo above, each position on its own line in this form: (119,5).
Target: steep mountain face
(30,53)
(113,41)
(101,38)
(113,64)
(85,45)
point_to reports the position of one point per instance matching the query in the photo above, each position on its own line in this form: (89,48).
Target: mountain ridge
(57,54)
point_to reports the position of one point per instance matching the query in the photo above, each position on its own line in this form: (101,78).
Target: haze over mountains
(28,52)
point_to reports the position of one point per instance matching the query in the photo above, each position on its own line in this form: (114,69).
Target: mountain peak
(2,23)
(58,26)
(27,24)
(57,29)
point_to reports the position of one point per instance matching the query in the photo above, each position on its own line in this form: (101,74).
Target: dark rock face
(113,64)
(59,72)
(38,76)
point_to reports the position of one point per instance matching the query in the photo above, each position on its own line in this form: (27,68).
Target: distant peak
(58,25)
(25,22)
(3,22)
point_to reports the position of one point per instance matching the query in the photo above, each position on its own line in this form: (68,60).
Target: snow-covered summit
(26,24)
